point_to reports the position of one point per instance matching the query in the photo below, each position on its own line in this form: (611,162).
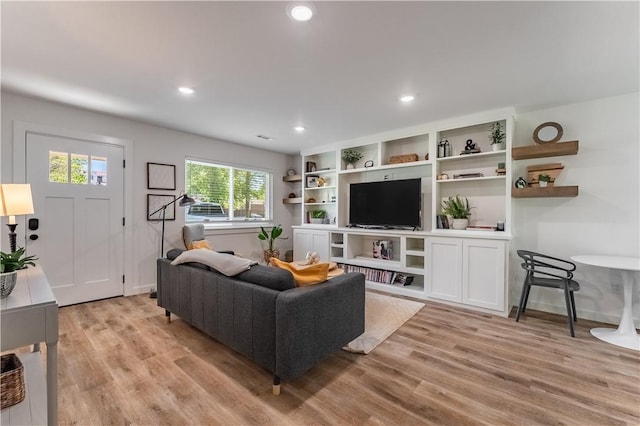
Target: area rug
(382,316)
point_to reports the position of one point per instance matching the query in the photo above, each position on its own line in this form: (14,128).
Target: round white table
(626,335)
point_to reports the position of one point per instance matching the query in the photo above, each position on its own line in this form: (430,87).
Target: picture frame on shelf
(312,181)
(161,176)
(156,201)
(311,167)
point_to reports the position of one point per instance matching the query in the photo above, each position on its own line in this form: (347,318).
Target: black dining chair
(548,271)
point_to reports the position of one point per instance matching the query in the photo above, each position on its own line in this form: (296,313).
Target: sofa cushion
(192,232)
(202,244)
(309,275)
(224,263)
(265,276)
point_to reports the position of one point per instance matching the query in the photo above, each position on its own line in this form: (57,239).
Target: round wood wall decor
(548,132)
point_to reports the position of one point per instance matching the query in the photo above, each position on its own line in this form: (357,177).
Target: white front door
(78,197)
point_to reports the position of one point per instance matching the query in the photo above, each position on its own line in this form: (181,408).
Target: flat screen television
(386,204)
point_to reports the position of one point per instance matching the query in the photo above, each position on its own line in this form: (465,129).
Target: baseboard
(141,289)
(588,315)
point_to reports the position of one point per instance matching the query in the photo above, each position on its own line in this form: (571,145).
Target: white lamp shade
(15,199)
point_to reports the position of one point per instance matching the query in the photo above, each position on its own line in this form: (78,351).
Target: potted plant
(350,157)
(544,180)
(10,263)
(317,216)
(271,237)
(497,136)
(459,209)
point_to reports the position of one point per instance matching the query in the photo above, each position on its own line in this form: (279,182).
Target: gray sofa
(262,315)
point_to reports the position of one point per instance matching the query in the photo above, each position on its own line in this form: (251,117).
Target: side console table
(29,315)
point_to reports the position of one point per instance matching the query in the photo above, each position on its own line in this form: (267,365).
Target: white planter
(7,283)
(316,221)
(460,223)
(543,184)
(496,146)
(350,166)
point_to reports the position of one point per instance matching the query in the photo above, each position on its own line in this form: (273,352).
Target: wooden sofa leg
(168,315)
(276,385)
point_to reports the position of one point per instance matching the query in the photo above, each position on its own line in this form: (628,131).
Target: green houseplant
(317,216)
(10,263)
(459,209)
(544,180)
(497,135)
(271,237)
(350,157)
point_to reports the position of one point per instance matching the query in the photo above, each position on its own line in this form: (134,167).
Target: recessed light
(186,90)
(300,12)
(407,98)
(299,129)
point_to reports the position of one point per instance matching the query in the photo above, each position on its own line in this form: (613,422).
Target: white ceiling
(256,71)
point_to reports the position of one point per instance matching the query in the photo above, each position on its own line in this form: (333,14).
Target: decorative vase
(460,223)
(316,221)
(268,254)
(496,146)
(350,166)
(543,184)
(7,283)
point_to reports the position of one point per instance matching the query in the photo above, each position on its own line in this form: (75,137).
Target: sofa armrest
(313,322)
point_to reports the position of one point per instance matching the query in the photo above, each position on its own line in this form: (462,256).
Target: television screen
(391,203)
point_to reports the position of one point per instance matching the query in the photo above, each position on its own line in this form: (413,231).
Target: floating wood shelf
(297,200)
(549,191)
(292,178)
(545,150)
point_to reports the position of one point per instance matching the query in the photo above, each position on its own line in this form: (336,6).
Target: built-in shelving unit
(465,267)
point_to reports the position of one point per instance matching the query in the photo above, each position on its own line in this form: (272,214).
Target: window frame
(234,222)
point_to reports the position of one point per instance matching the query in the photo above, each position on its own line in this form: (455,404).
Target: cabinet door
(445,272)
(309,241)
(483,273)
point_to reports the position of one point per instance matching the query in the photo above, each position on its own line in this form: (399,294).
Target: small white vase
(496,146)
(543,184)
(350,166)
(460,223)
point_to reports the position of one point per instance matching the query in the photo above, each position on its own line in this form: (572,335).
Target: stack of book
(379,275)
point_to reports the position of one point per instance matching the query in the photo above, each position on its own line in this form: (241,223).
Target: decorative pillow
(202,244)
(310,275)
(224,263)
(266,276)
(173,253)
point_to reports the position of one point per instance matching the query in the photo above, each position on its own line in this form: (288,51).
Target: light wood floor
(120,363)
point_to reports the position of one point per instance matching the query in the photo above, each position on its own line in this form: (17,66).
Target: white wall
(151,144)
(603,219)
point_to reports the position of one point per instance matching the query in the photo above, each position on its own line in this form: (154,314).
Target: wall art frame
(156,201)
(161,176)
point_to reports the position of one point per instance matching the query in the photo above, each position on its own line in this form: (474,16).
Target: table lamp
(15,199)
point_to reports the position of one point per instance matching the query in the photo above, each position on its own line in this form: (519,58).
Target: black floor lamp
(185,200)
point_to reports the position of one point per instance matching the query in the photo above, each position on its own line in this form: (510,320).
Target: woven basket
(11,381)
(405,158)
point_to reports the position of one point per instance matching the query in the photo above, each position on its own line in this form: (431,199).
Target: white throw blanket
(226,264)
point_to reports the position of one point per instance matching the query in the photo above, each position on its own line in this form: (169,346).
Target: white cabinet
(310,240)
(468,271)
(483,273)
(445,261)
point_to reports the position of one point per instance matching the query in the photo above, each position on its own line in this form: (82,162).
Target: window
(61,163)
(225,193)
